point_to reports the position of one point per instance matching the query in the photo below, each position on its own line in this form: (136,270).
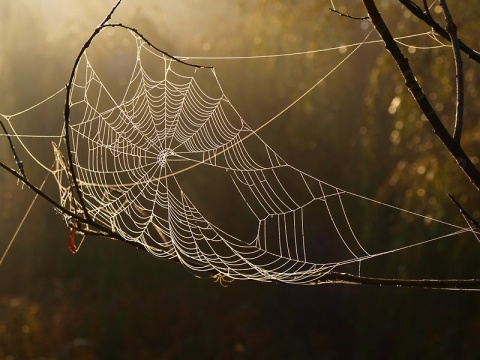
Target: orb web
(135,154)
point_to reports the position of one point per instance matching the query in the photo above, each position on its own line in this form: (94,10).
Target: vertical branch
(418,94)
(452,31)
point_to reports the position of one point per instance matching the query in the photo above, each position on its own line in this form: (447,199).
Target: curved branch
(104,24)
(349,16)
(67,107)
(457,56)
(140,35)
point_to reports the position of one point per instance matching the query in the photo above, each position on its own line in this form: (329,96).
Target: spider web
(133,158)
(152,161)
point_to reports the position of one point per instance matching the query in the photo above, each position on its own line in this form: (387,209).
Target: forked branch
(428,19)
(421,99)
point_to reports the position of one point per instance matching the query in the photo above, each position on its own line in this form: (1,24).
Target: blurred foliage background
(359,130)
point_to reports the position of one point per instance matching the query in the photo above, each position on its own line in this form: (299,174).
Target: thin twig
(460,88)
(464,212)
(15,155)
(39,192)
(156,48)
(433,284)
(427,9)
(349,16)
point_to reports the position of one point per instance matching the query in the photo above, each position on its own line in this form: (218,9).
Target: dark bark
(457,56)
(427,19)
(418,94)
(450,284)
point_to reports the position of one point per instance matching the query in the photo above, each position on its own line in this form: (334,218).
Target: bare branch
(452,31)
(36,190)
(104,24)
(464,212)
(450,284)
(427,18)
(15,155)
(349,16)
(427,9)
(418,94)
(156,48)
(67,107)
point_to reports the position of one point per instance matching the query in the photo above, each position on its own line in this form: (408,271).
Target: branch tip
(349,16)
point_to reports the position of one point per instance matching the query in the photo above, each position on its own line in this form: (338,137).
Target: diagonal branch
(15,155)
(427,9)
(36,190)
(418,94)
(464,212)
